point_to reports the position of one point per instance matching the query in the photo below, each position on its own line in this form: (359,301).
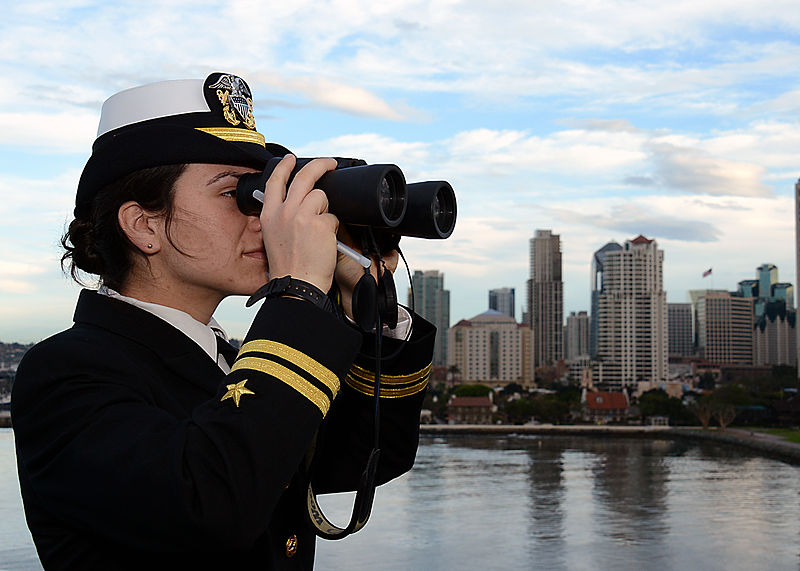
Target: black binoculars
(374,196)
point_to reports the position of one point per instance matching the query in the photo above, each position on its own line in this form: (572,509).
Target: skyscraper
(432,302)
(725,328)
(502,300)
(598,269)
(774,340)
(546,298)
(576,335)
(632,341)
(679,321)
(797,252)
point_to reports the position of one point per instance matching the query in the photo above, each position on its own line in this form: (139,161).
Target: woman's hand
(348,271)
(299,233)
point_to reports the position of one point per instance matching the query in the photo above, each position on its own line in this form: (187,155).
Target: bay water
(546,502)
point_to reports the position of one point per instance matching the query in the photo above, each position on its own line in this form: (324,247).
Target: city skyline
(601,122)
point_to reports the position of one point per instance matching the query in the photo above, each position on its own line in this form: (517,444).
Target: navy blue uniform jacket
(135,451)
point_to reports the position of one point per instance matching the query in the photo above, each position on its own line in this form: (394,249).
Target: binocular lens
(392,200)
(444,210)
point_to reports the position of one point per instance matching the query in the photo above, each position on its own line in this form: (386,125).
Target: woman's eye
(230,193)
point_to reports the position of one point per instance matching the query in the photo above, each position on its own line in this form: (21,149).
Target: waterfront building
(576,335)
(432,302)
(767,275)
(797,251)
(598,269)
(766,289)
(491,349)
(546,299)
(604,407)
(725,328)
(748,288)
(784,292)
(470,410)
(632,341)
(679,325)
(502,300)
(774,336)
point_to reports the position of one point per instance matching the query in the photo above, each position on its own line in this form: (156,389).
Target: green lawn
(790,434)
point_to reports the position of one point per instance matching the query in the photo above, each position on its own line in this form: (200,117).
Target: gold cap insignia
(237,100)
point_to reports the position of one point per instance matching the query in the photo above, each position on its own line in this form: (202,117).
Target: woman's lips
(257,254)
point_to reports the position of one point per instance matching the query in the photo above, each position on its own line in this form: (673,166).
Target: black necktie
(227,350)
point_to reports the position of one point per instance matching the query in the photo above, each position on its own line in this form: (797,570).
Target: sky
(597,120)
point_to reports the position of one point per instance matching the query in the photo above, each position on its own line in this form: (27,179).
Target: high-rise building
(679,325)
(766,274)
(598,269)
(576,336)
(784,292)
(797,252)
(546,299)
(491,348)
(725,328)
(632,340)
(774,339)
(432,302)
(502,300)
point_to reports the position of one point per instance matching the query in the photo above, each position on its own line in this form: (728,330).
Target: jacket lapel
(179,353)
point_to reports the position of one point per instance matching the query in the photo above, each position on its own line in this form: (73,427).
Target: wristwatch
(287,286)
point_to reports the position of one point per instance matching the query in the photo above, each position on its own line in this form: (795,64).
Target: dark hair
(97,244)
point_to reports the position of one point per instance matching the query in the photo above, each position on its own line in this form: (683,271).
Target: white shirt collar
(205,335)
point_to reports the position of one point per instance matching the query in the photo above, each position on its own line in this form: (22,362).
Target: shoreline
(765,444)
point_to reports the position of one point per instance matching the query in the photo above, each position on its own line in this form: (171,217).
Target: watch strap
(287,286)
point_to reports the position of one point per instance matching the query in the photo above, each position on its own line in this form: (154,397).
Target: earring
(150,246)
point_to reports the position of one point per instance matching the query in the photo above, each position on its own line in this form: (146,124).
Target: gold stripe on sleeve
(369,376)
(386,392)
(298,383)
(297,358)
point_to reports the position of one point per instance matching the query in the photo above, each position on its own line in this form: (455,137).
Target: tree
(707,381)
(724,413)
(472,390)
(519,411)
(703,409)
(657,402)
(512,388)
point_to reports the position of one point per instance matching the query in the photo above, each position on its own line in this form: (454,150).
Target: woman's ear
(140,227)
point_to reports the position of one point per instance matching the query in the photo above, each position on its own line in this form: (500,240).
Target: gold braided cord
(295,357)
(367,375)
(298,383)
(387,393)
(235,135)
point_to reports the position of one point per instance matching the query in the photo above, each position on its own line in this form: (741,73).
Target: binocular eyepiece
(375,196)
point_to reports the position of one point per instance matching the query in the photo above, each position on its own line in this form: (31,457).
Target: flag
(707,273)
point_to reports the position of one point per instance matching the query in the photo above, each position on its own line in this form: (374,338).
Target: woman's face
(215,250)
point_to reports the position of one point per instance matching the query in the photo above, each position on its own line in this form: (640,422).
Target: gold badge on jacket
(235,392)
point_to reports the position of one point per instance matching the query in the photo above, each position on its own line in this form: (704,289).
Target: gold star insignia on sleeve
(236,391)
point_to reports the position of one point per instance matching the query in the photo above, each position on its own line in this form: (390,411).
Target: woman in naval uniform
(139,445)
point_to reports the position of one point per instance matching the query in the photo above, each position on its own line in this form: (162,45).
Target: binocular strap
(365,494)
(362,506)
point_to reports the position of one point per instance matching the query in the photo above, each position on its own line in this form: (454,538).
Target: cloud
(694,170)
(49,132)
(20,277)
(631,219)
(332,94)
(371,147)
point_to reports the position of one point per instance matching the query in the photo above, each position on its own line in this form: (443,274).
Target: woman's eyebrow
(219,176)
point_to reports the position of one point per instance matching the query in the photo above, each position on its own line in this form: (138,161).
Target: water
(553,503)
